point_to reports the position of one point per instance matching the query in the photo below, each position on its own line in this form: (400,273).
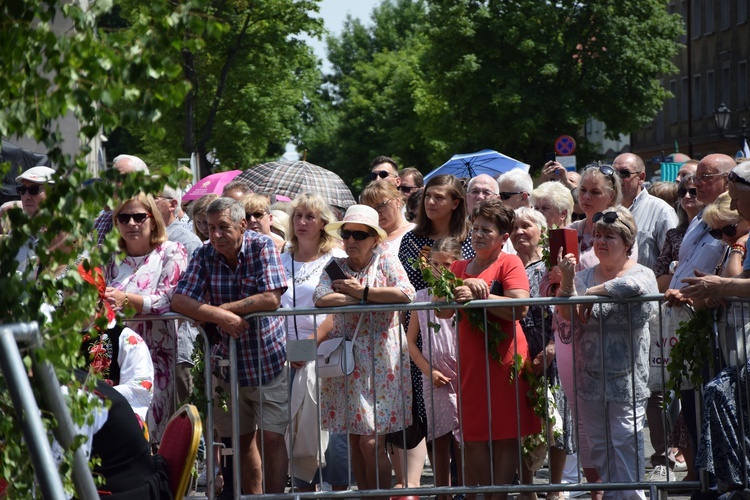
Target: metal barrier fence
(641,484)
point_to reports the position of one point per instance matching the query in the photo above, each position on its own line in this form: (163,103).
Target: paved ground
(542,475)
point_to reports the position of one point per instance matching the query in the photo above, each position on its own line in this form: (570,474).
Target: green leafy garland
(689,354)
(442,284)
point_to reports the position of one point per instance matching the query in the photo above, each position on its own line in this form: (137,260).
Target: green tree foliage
(494,74)
(56,62)
(248,78)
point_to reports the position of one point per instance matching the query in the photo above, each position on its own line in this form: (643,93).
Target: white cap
(39,175)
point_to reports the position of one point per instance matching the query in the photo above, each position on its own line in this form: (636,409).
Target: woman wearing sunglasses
(376,398)
(389,203)
(611,346)
(145,280)
(687,208)
(728,226)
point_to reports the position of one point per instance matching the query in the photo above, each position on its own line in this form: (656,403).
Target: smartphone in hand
(496,288)
(335,272)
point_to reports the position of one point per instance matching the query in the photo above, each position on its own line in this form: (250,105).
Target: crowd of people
(424,384)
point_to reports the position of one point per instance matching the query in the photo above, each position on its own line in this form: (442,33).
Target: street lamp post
(721,116)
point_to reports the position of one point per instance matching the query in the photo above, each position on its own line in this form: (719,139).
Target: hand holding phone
(335,272)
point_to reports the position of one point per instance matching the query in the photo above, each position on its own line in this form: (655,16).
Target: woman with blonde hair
(389,203)
(259,217)
(554,201)
(198,210)
(145,280)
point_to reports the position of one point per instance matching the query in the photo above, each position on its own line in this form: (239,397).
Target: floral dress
(154,276)
(376,397)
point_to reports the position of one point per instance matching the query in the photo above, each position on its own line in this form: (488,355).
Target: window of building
(660,126)
(742,11)
(684,13)
(726,86)
(695,29)
(725,15)
(710,93)
(684,103)
(742,85)
(672,103)
(697,96)
(710,16)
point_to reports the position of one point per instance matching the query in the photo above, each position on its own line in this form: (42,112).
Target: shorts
(275,407)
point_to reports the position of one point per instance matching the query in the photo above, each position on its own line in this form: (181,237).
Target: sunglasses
(736,178)
(574,216)
(138,218)
(32,190)
(357,235)
(682,192)
(255,215)
(383,174)
(505,195)
(729,230)
(406,189)
(604,169)
(608,217)
(625,173)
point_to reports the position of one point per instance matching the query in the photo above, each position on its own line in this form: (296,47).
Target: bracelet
(364,294)
(567,290)
(125,301)
(738,248)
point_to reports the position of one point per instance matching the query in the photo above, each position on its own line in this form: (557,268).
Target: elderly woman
(199,207)
(310,249)
(389,203)
(555,202)
(611,347)
(491,224)
(376,398)
(145,280)
(728,226)
(528,228)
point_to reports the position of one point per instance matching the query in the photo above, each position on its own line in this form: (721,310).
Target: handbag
(336,356)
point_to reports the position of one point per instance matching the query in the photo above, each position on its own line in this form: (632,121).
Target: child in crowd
(438,362)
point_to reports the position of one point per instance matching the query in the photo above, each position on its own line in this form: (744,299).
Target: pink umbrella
(211,184)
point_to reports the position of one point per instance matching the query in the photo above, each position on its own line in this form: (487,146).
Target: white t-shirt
(301,285)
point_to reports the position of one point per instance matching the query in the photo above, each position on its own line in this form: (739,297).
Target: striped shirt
(261,350)
(653,218)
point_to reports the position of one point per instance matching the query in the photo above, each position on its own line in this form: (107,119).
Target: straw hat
(357,214)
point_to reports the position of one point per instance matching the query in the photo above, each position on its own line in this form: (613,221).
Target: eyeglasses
(485,192)
(383,174)
(729,230)
(379,208)
(607,218)
(32,190)
(682,192)
(734,177)
(706,177)
(505,195)
(625,173)
(357,235)
(574,216)
(138,218)
(255,215)
(406,189)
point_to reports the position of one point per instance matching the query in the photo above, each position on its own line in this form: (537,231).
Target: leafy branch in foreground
(689,354)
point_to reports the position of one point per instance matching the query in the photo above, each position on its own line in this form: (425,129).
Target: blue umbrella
(470,165)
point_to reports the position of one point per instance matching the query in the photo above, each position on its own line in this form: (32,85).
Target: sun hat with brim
(357,214)
(39,175)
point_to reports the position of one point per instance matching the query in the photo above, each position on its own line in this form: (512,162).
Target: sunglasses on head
(357,235)
(138,218)
(406,189)
(574,216)
(255,215)
(505,195)
(608,217)
(604,169)
(734,177)
(383,174)
(729,230)
(32,190)
(682,192)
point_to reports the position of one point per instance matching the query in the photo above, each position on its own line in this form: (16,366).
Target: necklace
(307,270)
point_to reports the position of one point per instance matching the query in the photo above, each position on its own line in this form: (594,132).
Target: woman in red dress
(490,425)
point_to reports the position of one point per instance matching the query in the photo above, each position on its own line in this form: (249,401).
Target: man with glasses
(653,218)
(383,168)
(482,187)
(411,181)
(239,273)
(515,186)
